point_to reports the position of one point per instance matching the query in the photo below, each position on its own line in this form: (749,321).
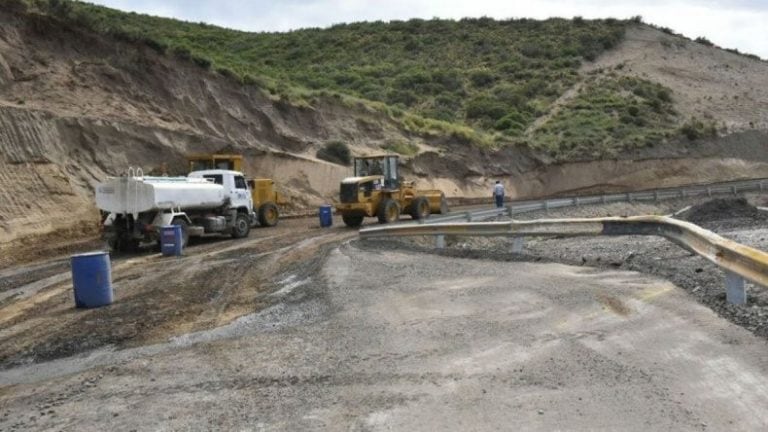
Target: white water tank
(140,194)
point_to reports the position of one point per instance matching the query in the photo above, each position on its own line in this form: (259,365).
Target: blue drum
(92,279)
(171,240)
(326,216)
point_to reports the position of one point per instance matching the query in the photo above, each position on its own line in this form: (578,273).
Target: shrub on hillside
(694,129)
(336,152)
(704,41)
(400,146)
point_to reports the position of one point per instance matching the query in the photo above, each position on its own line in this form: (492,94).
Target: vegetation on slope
(482,80)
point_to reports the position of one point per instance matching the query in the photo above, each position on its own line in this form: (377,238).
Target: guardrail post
(760,186)
(735,289)
(546,206)
(576,201)
(655,195)
(602,199)
(468,215)
(440,241)
(510,212)
(518,243)
(709,191)
(629,197)
(733,190)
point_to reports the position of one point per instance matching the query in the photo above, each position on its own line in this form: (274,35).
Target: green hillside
(483,79)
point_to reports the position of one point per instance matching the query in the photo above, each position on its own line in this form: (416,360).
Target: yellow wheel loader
(265,198)
(376,190)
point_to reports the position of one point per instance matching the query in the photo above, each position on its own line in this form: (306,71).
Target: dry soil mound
(723,209)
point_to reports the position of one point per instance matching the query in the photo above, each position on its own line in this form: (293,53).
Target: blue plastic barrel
(92,279)
(326,216)
(170,240)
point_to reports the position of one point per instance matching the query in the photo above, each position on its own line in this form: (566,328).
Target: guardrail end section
(518,243)
(440,241)
(735,289)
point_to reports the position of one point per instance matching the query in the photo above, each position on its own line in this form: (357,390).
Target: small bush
(181,52)
(201,61)
(157,45)
(336,152)
(227,73)
(402,147)
(694,129)
(60,8)
(704,41)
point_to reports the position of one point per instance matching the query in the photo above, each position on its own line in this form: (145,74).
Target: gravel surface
(651,255)
(365,338)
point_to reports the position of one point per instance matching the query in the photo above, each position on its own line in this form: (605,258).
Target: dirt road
(367,338)
(217,280)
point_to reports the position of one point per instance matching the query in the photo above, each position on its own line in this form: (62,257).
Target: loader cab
(385,166)
(229,162)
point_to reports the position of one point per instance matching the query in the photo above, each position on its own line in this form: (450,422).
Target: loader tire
(268,215)
(420,208)
(352,221)
(242,226)
(389,211)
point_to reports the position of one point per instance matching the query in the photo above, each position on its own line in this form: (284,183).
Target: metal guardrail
(709,190)
(738,261)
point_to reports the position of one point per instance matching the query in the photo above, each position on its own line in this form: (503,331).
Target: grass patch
(401,147)
(479,75)
(609,116)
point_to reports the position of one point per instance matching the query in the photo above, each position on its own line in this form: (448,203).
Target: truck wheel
(389,211)
(268,215)
(242,226)
(420,208)
(443,204)
(352,221)
(184,230)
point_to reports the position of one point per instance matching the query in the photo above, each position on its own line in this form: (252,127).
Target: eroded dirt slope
(707,82)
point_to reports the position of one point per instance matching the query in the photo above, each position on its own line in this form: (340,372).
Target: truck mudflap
(253,219)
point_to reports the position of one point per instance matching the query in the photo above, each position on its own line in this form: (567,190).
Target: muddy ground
(298,327)
(365,338)
(155,297)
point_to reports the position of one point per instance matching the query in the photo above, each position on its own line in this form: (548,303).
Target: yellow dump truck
(377,190)
(265,197)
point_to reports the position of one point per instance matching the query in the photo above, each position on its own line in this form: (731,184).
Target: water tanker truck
(204,202)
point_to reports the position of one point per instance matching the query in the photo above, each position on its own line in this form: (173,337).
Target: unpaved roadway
(217,280)
(369,338)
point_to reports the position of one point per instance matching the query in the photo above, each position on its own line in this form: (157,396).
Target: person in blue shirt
(498,193)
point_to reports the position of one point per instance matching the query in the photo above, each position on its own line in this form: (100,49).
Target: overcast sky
(741,24)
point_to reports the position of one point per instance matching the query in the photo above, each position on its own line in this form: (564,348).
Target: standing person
(498,193)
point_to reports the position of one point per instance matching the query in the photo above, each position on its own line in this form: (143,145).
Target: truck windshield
(197,165)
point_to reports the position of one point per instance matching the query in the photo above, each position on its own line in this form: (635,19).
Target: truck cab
(264,196)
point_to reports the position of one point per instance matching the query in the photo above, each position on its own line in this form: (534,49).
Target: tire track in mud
(215,283)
